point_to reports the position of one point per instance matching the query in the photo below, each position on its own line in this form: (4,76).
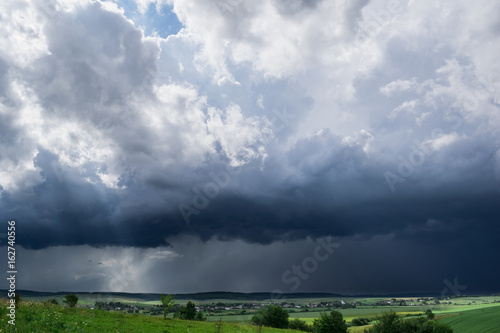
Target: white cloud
(443,140)
(241,139)
(398,86)
(405,107)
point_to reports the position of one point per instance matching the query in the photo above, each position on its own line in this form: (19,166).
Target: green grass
(484,320)
(33,316)
(39,317)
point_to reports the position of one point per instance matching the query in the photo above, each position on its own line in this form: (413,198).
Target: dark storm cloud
(337,192)
(253,130)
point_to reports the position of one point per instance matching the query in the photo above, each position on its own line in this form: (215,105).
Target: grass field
(464,314)
(485,320)
(38,317)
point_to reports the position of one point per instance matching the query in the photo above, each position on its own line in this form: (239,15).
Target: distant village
(242,308)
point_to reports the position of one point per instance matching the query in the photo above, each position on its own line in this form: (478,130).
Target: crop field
(480,320)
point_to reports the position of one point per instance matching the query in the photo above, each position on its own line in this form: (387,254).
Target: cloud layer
(258,122)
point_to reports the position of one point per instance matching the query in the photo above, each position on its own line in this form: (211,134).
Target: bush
(330,323)
(258,319)
(300,325)
(188,312)
(71,300)
(199,316)
(360,321)
(52,301)
(274,316)
(218,325)
(389,322)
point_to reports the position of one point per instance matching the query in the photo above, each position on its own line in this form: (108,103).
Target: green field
(39,317)
(485,320)
(463,314)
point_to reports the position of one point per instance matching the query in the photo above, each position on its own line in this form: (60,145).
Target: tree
(258,319)
(71,300)
(199,316)
(429,314)
(330,323)
(187,312)
(167,301)
(275,316)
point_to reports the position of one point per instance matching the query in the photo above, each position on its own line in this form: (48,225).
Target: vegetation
(218,325)
(481,320)
(71,300)
(45,317)
(188,312)
(52,301)
(332,322)
(301,325)
(390,322)
(143,313)
(17,300)
(360,321)
(167,302)
(273,316)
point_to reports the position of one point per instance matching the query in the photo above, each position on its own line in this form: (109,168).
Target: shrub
(389,322)
(275,316)
(300,325)
(188,312)
(330,323)
(258,319)
(71,300)
(360,321)
(52,301)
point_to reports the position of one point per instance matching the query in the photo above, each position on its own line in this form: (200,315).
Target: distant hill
(227,295)
(257,296)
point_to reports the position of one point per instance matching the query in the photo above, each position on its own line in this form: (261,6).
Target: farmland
(136,313)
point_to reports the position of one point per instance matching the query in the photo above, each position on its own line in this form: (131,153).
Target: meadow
(463,314)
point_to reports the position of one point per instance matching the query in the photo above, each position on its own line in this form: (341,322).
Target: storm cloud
(259,127)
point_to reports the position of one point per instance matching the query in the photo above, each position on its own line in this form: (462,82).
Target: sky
(178,146)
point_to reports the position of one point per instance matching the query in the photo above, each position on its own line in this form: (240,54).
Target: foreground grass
(39,317)
(482,320)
